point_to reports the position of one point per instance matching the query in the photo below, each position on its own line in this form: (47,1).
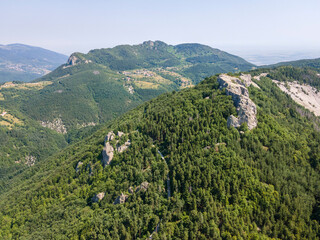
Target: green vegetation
(197,61)
(225,183)
(91,90)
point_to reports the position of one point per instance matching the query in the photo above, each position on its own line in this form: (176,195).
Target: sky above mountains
(232,25)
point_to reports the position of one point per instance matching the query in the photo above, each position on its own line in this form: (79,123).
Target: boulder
(121,199)
(98,197)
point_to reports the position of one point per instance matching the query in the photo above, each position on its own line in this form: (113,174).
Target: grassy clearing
(37,85)
(9,121)
(146,85)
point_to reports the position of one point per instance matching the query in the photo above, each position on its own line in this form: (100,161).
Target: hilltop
(19,62)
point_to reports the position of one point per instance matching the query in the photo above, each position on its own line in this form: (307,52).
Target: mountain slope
(19,62)
(109,82)
(213,182)
(89,89)
(194,61)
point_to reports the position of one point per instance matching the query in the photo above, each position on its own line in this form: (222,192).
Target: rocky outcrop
(30,160)
(56,125)
(98,197)
(260,76)
(121,148)
(107,154)
(73,60)
(79,164)
(303,94)
(143,187)
(247,80)
(246,108)
(121,199)
(108,150)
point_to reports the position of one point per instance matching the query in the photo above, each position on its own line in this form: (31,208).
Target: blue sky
(244,25)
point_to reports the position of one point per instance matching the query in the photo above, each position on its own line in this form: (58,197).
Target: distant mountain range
(311,63)
(109,82)
(19,62)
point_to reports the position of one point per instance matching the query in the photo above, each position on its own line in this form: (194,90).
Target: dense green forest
(224,183)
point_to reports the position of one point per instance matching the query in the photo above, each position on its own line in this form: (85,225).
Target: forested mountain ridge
(109,82)
(19,62)
(225,182)
(91,89)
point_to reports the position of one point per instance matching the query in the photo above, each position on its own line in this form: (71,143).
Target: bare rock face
(108,150)
(110,136)
(79,164)
(98,197)
(121,199)
(73,60)
(107,154)
(303,94)
(246,108)
(247,80)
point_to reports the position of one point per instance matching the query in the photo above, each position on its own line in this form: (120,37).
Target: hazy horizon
(245,28)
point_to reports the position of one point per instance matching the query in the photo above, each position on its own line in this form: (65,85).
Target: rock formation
(143,187)
(121,148)
(247,80)
(56,125)
(246,108)
(79,164)
(303,94)
(121,199)
(73,60)
(98,197)
(107,154)
(108,150)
